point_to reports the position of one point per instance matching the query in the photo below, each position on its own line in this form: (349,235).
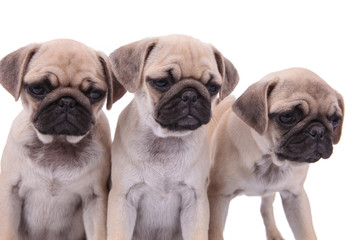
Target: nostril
(185,98)
(313,133)
(189,96)
(72,104)
(317,132)
(66,102)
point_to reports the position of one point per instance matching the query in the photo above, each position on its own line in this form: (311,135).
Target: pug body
(160,161)
(263,142)
(56,162)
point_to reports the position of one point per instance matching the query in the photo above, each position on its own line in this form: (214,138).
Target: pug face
(180,87)
(63,85)
(304,114)
(176,78)
(305,123)
(64,93)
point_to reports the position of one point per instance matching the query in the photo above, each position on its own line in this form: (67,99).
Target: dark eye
(95,95)
(213,88)
(38,90)
(161,83)
(335,122)
(287,118)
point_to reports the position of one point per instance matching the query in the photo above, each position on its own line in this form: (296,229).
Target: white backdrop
(258,37)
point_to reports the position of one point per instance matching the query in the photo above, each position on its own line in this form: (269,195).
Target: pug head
(297,112)
(174,78)
(63,85)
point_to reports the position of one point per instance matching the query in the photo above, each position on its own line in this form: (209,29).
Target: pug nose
(66,103)
(317,131)
(189,96)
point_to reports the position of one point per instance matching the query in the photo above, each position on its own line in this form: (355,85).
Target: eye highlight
(38,90)
(287,118)
(334,120)
(213,88)
(95,95)
(160,84)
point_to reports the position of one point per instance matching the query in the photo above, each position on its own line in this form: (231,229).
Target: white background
(258,37)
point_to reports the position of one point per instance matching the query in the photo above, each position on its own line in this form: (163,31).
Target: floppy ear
(252,105)
(115,89)
(13,68)
(228,72)
(128,62)
(337,132)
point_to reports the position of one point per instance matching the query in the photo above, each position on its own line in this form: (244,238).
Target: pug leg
(195,217)
(10,209)
(267,214)
(298,213)
(121,217)
(219,206)
(95,216)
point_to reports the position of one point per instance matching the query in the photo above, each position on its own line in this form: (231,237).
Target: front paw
(275,238)
(274,235)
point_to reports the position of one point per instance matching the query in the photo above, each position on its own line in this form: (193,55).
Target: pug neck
(144,140)
(60,152)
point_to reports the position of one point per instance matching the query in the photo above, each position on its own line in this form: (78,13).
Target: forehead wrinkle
(72,71)
(193,57)
(52,72)
(189,68)
(62,76)
(286,105)
(86,80)
(68,56)
(72,75)
(333,108)
(197,62)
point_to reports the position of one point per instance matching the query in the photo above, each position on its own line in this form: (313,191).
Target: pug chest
(49,209)
(159,199)
(159,206)
(51,191)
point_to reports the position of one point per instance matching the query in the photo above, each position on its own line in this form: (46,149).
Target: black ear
(128,62)
(338,130)
(13,68)
(228,72)
(252,105)
(115,89)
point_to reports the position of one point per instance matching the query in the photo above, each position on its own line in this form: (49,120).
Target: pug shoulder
(264,142)
(56,162)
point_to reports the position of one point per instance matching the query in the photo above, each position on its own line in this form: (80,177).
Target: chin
(163,132)
(49,138)
(299,159)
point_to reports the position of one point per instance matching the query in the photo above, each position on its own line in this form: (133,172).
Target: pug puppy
(263,143)
(160,161)
(56,162)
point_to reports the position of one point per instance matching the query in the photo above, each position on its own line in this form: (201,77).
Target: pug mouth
(309,158)
(187,122)
(64,116)
(305,147)
(187,109)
